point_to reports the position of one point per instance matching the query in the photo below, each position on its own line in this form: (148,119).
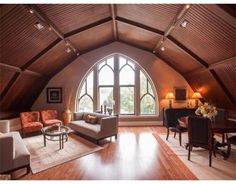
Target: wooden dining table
(217,127)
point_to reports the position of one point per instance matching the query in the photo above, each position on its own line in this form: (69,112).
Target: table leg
(60,141)
(44,140)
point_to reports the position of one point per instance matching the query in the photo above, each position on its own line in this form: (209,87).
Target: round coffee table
(55,133)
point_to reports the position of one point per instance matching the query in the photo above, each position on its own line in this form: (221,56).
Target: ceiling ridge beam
(212,66)
(179,15)
(19,70)
(89,26)
(137,24)
(113,15)
(43,17)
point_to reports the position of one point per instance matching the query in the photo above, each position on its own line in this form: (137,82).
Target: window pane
(82,92)
(86,104)
(143,84)
(147,105)
(127,76)
(106,76)
(110,62)
(127,100)
(90,84)
(150,89)
(106,94)
(122,62)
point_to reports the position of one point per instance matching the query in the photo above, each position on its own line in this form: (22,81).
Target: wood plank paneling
(52,60)
(157,16)
(69,17)
(23,93)
(180,59)
(206,84)
(207,35)
(227,74)
(87,39)
(5,77)
(137,36)
(5,9)
(20,40)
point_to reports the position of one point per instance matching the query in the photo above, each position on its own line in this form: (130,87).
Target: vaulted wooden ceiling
(203,52)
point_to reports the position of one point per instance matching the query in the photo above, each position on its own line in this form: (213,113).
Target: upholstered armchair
(49,117)
(30,122)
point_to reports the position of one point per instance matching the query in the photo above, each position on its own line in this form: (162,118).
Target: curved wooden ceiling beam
(175,22)
(39,14)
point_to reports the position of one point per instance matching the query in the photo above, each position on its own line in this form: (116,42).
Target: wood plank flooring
(134,155)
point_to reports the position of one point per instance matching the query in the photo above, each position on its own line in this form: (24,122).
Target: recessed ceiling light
(187,6)
(163,49)
(68,50)
(31,11)
(39,26)
(153,51)
(184,24)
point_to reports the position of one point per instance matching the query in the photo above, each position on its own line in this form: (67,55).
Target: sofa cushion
(32,127)
(91,130)
(91,119)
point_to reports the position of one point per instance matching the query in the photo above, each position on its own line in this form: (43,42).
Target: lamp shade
(170,96)
(196,95)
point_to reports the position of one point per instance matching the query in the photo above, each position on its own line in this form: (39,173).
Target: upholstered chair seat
(49,117)
(30,122)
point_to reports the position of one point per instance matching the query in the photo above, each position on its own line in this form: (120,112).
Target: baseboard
(140,123)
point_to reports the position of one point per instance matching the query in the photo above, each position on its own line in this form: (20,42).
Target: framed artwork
(180,94)
(54,95)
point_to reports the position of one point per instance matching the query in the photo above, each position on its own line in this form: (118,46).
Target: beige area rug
(43,158)
(199,165)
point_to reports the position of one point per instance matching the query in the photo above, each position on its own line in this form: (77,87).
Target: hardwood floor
(134,155)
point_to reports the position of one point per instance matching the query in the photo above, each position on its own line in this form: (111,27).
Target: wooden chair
(49,117)
(30,122)
(200,135)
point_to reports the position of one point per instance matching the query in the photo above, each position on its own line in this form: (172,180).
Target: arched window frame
(116,85)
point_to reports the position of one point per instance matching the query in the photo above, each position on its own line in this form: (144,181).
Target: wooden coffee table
(55,133)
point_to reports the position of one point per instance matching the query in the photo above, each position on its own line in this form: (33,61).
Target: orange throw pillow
(91,119)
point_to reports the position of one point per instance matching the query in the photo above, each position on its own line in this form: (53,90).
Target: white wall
(163,76)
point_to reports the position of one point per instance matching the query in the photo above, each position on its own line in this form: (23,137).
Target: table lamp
(196,96)
(170,96)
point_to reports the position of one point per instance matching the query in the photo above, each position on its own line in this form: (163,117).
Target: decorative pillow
(91,119)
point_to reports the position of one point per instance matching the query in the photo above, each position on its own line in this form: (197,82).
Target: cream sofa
(106,126)
(13,153)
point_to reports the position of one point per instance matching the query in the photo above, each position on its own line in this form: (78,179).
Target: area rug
(43,158)
(199,165)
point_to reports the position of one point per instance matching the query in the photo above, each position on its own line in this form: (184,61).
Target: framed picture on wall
(54,95)
(180,94)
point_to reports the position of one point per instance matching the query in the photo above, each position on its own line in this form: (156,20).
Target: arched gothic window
(120,84)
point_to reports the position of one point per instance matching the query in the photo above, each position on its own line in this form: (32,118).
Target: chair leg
(116,136)
(168,131)
(189,150)
(210,157)
(174,134)
(223,138)
(180,139)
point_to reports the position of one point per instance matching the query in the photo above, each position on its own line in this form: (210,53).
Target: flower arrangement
(206,110)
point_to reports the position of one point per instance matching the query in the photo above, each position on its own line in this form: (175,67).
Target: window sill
(138,117)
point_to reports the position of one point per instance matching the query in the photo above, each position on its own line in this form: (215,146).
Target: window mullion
(137,91)
(116,93)
(95,89)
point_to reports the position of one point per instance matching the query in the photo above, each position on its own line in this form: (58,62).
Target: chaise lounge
(102,126)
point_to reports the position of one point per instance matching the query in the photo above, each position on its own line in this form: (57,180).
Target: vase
(67,116)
